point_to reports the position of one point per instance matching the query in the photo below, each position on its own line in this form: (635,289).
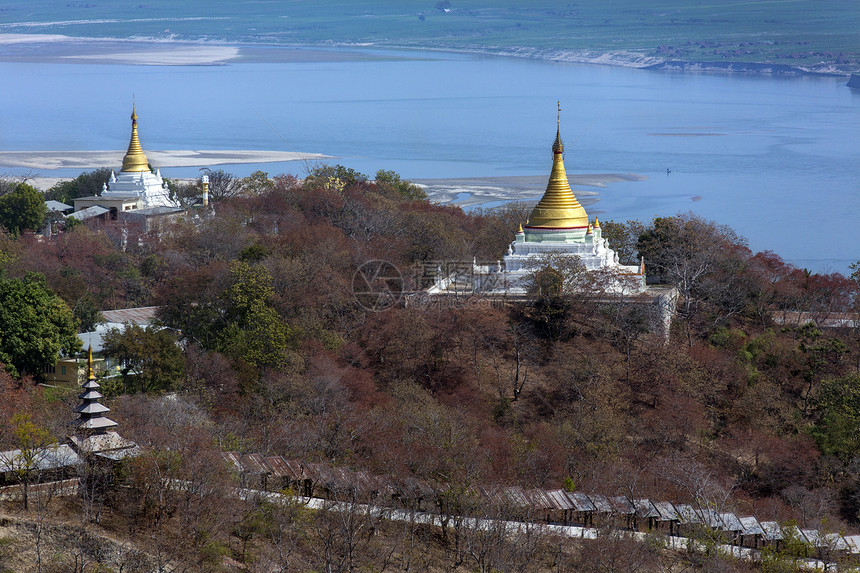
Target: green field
(806,33)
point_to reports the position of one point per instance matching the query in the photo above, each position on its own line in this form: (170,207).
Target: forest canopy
(748,400)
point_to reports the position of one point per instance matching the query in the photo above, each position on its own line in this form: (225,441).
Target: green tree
(622,239)
(555,277)
(687,251)
(257,183)
(389,181)
(150,360)
(332,176)
(254,331)
(30,440)
(86,184)
(21,209)
(35,325)
(837,426)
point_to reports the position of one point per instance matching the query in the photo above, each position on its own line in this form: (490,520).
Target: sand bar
(160,159)
(53,48)
(481,191)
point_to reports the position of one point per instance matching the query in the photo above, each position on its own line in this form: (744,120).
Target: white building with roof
(136,187)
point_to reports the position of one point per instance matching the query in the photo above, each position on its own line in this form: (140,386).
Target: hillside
(576,390)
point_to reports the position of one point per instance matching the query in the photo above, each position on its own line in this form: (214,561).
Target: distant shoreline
(638,60)
(52,48)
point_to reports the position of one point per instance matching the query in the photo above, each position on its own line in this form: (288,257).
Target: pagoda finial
(91,375)
(558,144)
(520,230)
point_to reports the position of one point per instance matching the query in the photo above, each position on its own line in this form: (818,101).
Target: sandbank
(160,159)
(492,191)
(56,48)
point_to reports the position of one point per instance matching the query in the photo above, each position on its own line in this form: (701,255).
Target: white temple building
(135,187)
(558,226)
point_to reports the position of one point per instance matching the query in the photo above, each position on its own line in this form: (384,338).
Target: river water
(777,159)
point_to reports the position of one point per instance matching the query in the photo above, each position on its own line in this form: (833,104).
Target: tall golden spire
(558,208)
(91,374)
(134,159)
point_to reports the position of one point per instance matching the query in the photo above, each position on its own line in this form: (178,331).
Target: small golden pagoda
(135,187)
(135,159)
(559,225)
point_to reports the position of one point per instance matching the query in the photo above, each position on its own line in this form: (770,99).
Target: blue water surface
(777,159)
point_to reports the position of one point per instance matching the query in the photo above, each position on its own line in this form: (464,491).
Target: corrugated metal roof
(711,518)
(368,483)
(492,493)
(316,472)
(580,501)
(601,504)
(730,522)
(295,468)
(49,458)
(336,478)
(645,509)
(254,464)
(772,530)
(515,495)
(836,542)
(667,511)
(559,499)
(279,467)
(142,315)
(52,205)
(89,213)
(793,530)
(341,479)
(814,537)
(539,499)
(853,543)
(821,540)
(688,514)
(234,458)
(622,505)
(750,526)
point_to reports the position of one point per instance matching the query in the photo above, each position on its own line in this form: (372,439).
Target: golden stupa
(135,159)
(558,208)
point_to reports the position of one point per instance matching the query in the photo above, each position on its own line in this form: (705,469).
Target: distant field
(803,33)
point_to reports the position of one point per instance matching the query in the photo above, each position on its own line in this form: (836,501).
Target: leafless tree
(345,534)
(222,184)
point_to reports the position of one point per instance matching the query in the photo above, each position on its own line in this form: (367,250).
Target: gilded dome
(558,208)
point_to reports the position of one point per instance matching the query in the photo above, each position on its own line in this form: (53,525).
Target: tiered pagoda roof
(91,412)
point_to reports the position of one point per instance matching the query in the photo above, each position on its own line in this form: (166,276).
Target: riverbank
(56,48)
